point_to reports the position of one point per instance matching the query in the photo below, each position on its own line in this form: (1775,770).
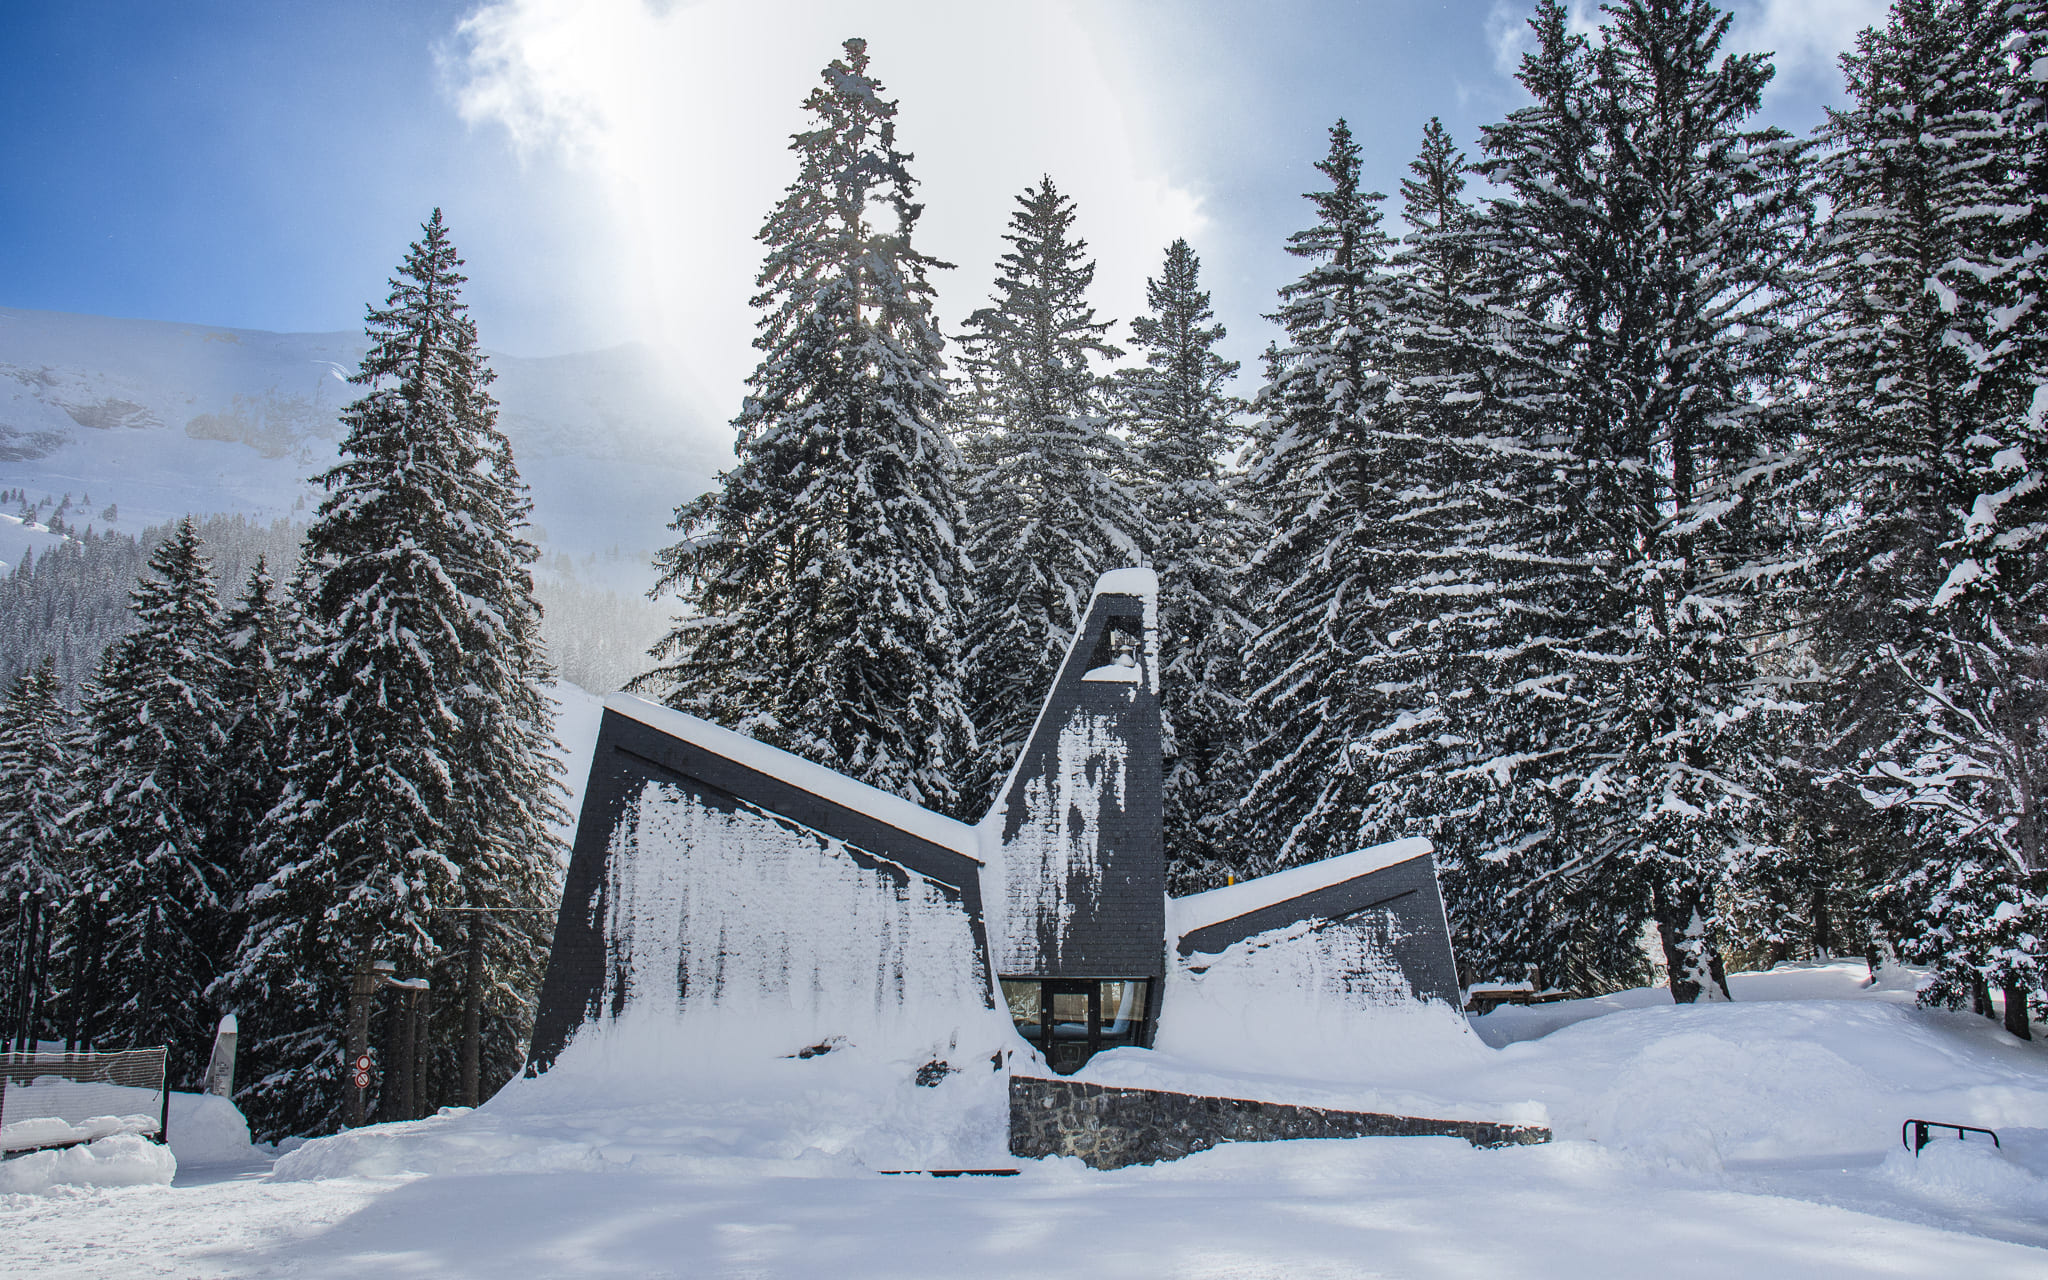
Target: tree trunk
(1980,997)
(39,976)
(1694,965)
(85,976)
(2016,1020)
(473,1012)
(1823,926)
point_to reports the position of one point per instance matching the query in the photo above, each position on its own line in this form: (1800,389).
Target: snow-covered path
(1757,1139)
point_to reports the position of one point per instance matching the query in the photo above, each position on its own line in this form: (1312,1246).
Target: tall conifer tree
(156,740)
(417,780)
(1658,229)
(1049,500)
(41,755)
(1320,480)
(1478,718)
(1180,415)
(255,635)
(824,577)
(1936,364)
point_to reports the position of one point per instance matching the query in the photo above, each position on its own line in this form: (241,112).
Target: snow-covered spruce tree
(157,734)
(824,579)
(41,753)
(416,781)
(1658,230)
(1180,417)
(1049,502)
(1919,176)
(255,635)
(1481,710)
(1324,478)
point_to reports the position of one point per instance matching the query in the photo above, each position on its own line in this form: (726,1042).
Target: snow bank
(754,1030)
(122,1160)
(1322,999)
(50,1131)
(51,1109)
(1702,1085)
(1971,1176)
(209,1129)
(644,1095)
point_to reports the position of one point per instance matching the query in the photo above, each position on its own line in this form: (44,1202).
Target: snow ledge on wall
(1200,910)
(799,772)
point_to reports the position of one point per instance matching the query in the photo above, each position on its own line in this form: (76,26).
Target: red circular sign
(362,1080)
(363,1063)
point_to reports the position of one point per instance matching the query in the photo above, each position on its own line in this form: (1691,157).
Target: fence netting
(55,1099)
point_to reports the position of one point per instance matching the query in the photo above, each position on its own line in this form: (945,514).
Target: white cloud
(679,115)
(1508,34)
(1805,35)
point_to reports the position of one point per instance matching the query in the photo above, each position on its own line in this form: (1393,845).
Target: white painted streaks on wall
(774,937)
(1055,859)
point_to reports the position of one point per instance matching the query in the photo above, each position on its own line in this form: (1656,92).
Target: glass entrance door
(1070,1020)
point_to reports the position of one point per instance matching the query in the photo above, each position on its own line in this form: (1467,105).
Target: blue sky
(603,163)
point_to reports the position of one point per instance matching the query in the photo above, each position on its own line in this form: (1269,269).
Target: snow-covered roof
(798,772)
(1200,910)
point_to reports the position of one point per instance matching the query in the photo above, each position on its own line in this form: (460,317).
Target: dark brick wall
(1120,930)
(1110,1128)
(629,755)
(1406,890)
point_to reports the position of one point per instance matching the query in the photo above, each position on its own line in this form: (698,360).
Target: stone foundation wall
(1110,1128)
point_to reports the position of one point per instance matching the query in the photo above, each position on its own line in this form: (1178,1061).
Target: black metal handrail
(1919,1130)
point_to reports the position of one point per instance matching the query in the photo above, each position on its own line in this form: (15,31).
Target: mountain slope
(158,420)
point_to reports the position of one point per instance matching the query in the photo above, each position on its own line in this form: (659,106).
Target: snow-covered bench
(61,1099)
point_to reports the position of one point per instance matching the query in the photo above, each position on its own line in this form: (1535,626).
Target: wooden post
(423,1047)
(473,1013)
(407,1049)
(366,983)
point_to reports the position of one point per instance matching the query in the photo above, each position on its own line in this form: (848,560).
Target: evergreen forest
(1644,504)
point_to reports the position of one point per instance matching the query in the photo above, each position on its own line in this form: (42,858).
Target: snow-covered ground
(1754,1139)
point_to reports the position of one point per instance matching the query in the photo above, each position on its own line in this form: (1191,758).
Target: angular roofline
(1139,584)
(805,775)
(1214,906)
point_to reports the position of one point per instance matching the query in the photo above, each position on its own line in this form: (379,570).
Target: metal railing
(1918,1129)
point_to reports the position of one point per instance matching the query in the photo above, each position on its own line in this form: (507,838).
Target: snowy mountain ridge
(156,420)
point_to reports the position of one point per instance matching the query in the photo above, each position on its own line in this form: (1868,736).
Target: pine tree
(1467,749)
(157,734)
(1180,417)
(415,780)
(40,759)
(1658,230)
(1919,176)
(1049,503)
(824,579)
(255,635)
(1322,479)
